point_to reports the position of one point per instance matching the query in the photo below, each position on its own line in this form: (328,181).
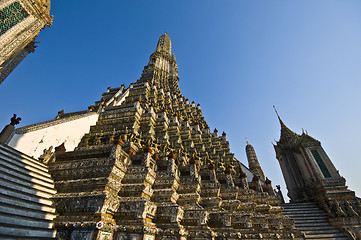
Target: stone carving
(15,120)
(105,236)
(47,155)
(81,235)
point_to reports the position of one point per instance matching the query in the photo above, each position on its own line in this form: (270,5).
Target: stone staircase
(312,221)
(26,210)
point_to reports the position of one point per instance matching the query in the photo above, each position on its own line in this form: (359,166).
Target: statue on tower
(15,120)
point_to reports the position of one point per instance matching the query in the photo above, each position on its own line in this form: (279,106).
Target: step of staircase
(312,221)
(26,189)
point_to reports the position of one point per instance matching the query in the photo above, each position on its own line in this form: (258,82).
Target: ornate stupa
(150,168)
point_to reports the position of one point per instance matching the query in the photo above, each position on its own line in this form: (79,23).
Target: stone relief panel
(124,236)
(148,237)
(105,236)
(169,238)
(81,235)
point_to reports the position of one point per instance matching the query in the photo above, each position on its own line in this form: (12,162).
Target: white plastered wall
(34,142)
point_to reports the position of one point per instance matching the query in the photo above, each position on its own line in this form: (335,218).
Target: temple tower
(151,169)
(253,163)
(310,176)
(20,23)
(303,161)
(162,69)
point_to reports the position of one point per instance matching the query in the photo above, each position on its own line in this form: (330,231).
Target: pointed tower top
(249,147)
(279,119)
(287,135)
(277,114)
(164,43)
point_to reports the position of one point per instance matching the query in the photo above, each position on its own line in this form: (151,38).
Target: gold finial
(166,32)
(247,141)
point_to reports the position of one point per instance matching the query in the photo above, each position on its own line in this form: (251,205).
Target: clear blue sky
(235,58)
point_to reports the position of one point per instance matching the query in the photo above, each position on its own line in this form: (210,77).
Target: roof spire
(278,115)
(287,135)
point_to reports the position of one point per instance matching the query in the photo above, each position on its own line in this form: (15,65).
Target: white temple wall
(34,142)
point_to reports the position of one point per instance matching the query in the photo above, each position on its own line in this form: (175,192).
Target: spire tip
(278,116)
(276,112)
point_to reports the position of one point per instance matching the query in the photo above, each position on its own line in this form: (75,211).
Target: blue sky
(236,58)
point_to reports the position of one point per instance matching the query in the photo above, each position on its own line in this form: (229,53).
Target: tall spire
(164,44)
(281,122)
(253,163)
(287,135)
(162,69)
